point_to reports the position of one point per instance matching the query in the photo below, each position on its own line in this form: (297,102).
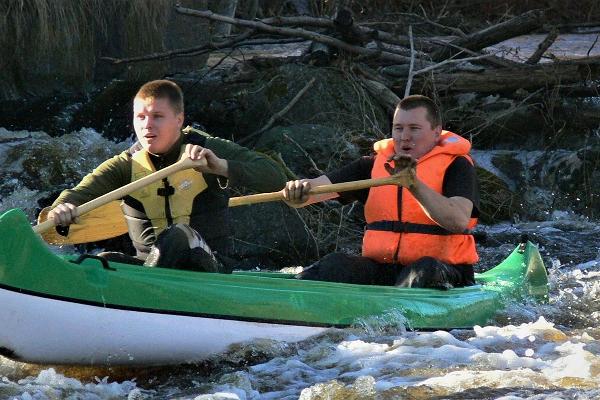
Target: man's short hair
(162,89)
(416,100)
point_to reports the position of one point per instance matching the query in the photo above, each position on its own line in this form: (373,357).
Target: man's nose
(147,122)
(404,135)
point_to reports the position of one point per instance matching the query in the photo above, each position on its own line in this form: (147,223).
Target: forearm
(452,213)
(246,168)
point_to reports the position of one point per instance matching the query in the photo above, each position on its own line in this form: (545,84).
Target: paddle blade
(102,223)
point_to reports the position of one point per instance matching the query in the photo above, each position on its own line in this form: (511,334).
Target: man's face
(413,133)
(156,124)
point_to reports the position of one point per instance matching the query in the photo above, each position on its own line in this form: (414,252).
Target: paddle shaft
(127,189)
(403,178)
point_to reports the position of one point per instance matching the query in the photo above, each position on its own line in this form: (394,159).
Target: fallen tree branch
(275,117)
(492,60)
(412,63)
(310,35)
(384,95)
(451,61)
(456,31)
(187,52)
(507,80)
(516,26)
(542,47)
(375,34)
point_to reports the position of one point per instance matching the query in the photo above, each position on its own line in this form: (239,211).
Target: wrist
(223,168)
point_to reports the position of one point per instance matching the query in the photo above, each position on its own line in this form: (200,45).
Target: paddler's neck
(170,157)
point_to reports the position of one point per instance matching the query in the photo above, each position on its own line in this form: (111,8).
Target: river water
(529,351)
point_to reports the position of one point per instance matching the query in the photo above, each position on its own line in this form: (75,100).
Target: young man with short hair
(183,220)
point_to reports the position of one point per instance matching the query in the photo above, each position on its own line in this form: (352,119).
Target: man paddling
(183,220)
(416,236)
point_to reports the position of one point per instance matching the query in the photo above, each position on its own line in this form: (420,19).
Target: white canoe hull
(41,330)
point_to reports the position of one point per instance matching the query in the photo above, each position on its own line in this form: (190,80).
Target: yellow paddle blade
(101,223)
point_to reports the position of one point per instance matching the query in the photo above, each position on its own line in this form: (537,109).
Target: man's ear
(180,118)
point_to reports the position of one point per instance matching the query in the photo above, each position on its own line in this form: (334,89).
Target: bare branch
(188,52)
(310,35)
(412,63)
(516,26)
(542,47)
(451,61)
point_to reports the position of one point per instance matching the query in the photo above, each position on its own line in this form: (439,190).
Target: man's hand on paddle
(64,214)
(214,164)
(295,193)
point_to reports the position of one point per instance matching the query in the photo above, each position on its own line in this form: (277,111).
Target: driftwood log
(516,26)
(508,80)
(393,65)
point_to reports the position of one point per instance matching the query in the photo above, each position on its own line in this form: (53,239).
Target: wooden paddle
(107,221)
(109,197)
(402,178)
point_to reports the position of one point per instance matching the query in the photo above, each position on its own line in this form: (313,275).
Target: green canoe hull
(29,268)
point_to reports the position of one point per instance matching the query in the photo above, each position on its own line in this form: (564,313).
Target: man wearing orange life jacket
(417,236)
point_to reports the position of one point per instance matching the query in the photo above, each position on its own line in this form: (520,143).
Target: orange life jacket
(403,233)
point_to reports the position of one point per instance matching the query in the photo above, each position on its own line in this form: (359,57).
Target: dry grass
(67,35)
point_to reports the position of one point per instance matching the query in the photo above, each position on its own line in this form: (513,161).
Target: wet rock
(52,114)
(236,110)
(270,235)
(109,110)
(538,182)
(308,149)
(497,201)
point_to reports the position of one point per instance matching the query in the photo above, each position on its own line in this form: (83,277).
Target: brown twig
(305,153)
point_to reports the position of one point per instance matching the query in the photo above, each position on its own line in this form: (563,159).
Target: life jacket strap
(409,227)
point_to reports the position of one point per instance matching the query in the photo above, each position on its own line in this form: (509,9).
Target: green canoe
(54,310)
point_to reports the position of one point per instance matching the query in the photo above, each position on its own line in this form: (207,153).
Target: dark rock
(109,110)
(271,234)
(308,150)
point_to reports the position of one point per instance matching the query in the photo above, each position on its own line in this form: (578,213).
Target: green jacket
(210,215)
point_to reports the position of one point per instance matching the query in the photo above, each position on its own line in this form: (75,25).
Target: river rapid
(529,351)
